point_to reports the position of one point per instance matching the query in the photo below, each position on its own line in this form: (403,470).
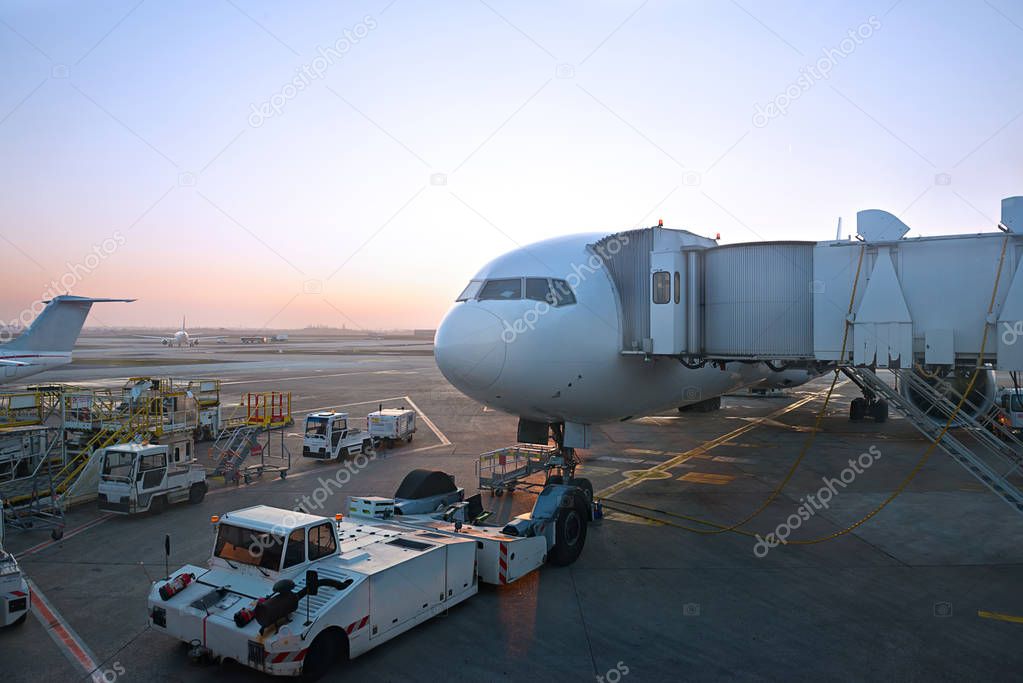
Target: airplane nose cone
(469,349)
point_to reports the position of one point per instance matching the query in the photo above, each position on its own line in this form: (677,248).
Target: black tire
(498,492)
(367,446)
(343,455)
(409,439)
(585,485)
(196,493)
(325,651)
(158,505)
(570,536)
(20,620)
(857,409)
(879,411)
(556,479)
(57,533)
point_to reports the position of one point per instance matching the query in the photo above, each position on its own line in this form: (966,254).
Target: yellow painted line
(707,478)
(1000,617)
(634,477)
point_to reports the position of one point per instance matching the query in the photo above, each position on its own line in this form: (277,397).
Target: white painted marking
(429,423)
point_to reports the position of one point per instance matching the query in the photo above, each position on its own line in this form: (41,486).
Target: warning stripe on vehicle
(281,657)
(503,561)
(357,625)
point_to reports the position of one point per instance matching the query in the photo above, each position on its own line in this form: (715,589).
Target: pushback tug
(289,593)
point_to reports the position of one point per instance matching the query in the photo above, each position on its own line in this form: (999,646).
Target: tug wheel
(570,536)
(196,493)
(20,620)
(325,651)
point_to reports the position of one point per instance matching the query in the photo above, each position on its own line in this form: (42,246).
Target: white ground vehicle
(329,436)
(289,593)
(391,425)
(1010,408)
(140,477)
(15,596)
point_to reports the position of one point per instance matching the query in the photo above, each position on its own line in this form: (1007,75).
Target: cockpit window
(562,293)
(504,289)
(471,290)
(538,289)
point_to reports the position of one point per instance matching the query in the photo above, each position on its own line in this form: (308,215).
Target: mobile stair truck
(328,436)
(389,426)
(141,477)
(289,593)
(15,596)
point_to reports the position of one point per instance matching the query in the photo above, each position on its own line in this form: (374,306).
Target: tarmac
(928,588)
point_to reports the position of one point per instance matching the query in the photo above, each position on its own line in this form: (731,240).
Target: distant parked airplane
(48,341)
(179,338)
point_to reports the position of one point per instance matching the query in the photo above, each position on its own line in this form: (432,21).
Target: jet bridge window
(471,290)
(661,288)
(503,289)
(322,541)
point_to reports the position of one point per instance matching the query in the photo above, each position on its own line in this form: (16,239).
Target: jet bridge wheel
(326,650)
(857,409)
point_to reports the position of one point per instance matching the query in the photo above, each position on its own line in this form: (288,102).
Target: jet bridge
(941,313)
(922,300)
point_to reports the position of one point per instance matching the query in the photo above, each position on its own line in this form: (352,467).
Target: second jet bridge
(922,300)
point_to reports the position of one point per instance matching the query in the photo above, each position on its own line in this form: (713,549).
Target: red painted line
(301,655)
(61,633)
(280,657)
(365,620)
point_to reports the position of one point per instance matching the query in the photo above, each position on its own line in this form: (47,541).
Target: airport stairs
(30,502)
(233,447)
(978,442)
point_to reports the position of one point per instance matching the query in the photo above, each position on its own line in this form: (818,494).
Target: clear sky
(282,164)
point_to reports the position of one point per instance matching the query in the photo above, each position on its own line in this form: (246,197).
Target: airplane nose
(469,349)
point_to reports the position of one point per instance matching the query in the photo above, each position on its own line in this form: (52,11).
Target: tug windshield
(316,426)
(117,464)
(248,546)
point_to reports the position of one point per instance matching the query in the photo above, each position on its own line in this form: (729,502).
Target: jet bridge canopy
(918,300)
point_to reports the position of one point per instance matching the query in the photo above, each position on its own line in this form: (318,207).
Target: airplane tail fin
(58,326)
(182,323)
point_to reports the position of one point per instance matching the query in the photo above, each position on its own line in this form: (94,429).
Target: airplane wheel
(498,492)
(585,485)
(57,534)
(570,535)
(857,409)
(196,493)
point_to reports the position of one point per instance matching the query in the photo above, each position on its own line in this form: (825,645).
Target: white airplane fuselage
(33,362)
(564,363)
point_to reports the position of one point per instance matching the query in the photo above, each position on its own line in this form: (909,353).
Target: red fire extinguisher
(246,614)
(175,585)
